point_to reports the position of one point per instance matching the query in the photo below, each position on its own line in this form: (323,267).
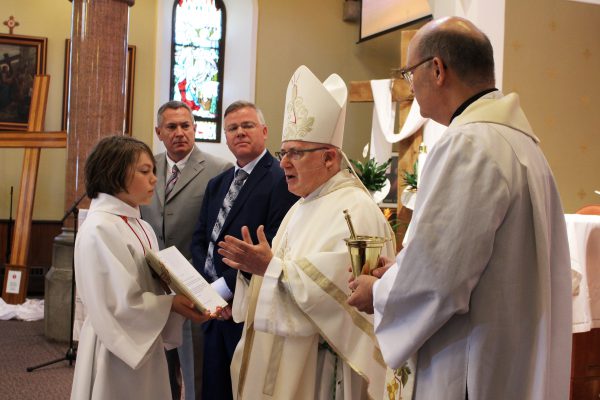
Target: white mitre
(315,111)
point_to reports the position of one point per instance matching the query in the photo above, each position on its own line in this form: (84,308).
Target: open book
(176,271)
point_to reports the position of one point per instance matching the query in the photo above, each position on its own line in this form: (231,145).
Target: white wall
(487,15)
(240,61)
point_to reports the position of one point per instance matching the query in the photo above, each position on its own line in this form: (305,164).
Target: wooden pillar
(97,83)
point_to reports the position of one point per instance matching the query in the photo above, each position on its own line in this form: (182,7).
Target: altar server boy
(129,319)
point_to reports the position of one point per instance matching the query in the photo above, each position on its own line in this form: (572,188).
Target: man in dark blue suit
(252,193)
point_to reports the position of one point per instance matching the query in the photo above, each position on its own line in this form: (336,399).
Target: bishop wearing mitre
(301,340)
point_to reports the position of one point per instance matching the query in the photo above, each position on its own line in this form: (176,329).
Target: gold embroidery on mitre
(298,123)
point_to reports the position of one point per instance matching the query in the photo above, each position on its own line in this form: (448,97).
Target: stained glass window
(197,62)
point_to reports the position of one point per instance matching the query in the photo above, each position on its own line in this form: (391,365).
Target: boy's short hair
(108,166)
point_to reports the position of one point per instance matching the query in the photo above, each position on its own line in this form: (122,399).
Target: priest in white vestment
(301,340)
(482,289)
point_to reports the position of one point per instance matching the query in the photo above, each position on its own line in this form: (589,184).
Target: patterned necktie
(172,181)
(234,190)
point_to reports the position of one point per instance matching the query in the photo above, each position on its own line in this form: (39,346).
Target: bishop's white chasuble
(300,334)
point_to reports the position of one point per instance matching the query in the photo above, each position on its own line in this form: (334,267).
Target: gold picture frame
(129,89)
(21,58)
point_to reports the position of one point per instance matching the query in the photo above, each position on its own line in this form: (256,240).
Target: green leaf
(403,373)
(410,178)
(371,174)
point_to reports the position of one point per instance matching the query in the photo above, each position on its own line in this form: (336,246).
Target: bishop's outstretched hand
(244,255)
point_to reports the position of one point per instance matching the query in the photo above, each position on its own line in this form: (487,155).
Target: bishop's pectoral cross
(16,274)
(408,149)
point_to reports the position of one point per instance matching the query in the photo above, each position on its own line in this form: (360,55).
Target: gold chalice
(364,250)
(364,253)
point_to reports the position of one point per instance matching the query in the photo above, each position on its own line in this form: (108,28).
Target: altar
(584,245)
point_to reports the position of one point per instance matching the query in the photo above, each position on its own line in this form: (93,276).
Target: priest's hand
(245,255)
(383,264)
(362,293)
(184,306)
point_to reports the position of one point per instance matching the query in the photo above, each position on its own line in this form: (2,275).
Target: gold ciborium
(364,253)
(364,250)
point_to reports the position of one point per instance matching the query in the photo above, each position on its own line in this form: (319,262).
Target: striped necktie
(234,190)
(172,181)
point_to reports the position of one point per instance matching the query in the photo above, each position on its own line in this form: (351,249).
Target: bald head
(463,48)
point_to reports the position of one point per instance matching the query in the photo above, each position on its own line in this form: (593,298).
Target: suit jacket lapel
(259,171)
(161,167)
(194,165)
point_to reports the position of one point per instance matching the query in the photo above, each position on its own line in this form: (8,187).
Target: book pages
(177,272)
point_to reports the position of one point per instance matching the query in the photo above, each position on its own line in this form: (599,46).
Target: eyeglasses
(407,73)
(246,126)
(295,154)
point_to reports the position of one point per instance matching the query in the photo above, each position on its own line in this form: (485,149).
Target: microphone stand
(71,354)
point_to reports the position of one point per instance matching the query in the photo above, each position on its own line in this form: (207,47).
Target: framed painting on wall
(21,58)
(129,78)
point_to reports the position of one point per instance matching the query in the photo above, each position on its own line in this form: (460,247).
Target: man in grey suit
(183,172)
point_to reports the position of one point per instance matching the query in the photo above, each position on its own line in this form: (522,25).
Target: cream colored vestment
(301,301)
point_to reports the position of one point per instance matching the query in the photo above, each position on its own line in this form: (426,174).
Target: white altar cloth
(584,246)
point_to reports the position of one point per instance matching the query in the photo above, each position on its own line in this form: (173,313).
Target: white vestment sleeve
(241,298)
(276,311)
(436,275)
(172,332)
(381,290)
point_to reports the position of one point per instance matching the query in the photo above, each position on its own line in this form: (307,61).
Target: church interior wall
(552,59)
(551,55)
(312,32)
(142,33)
(50,19)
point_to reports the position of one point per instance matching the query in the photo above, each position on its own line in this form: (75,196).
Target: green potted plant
(372,174)
(411,181)
(411,178)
